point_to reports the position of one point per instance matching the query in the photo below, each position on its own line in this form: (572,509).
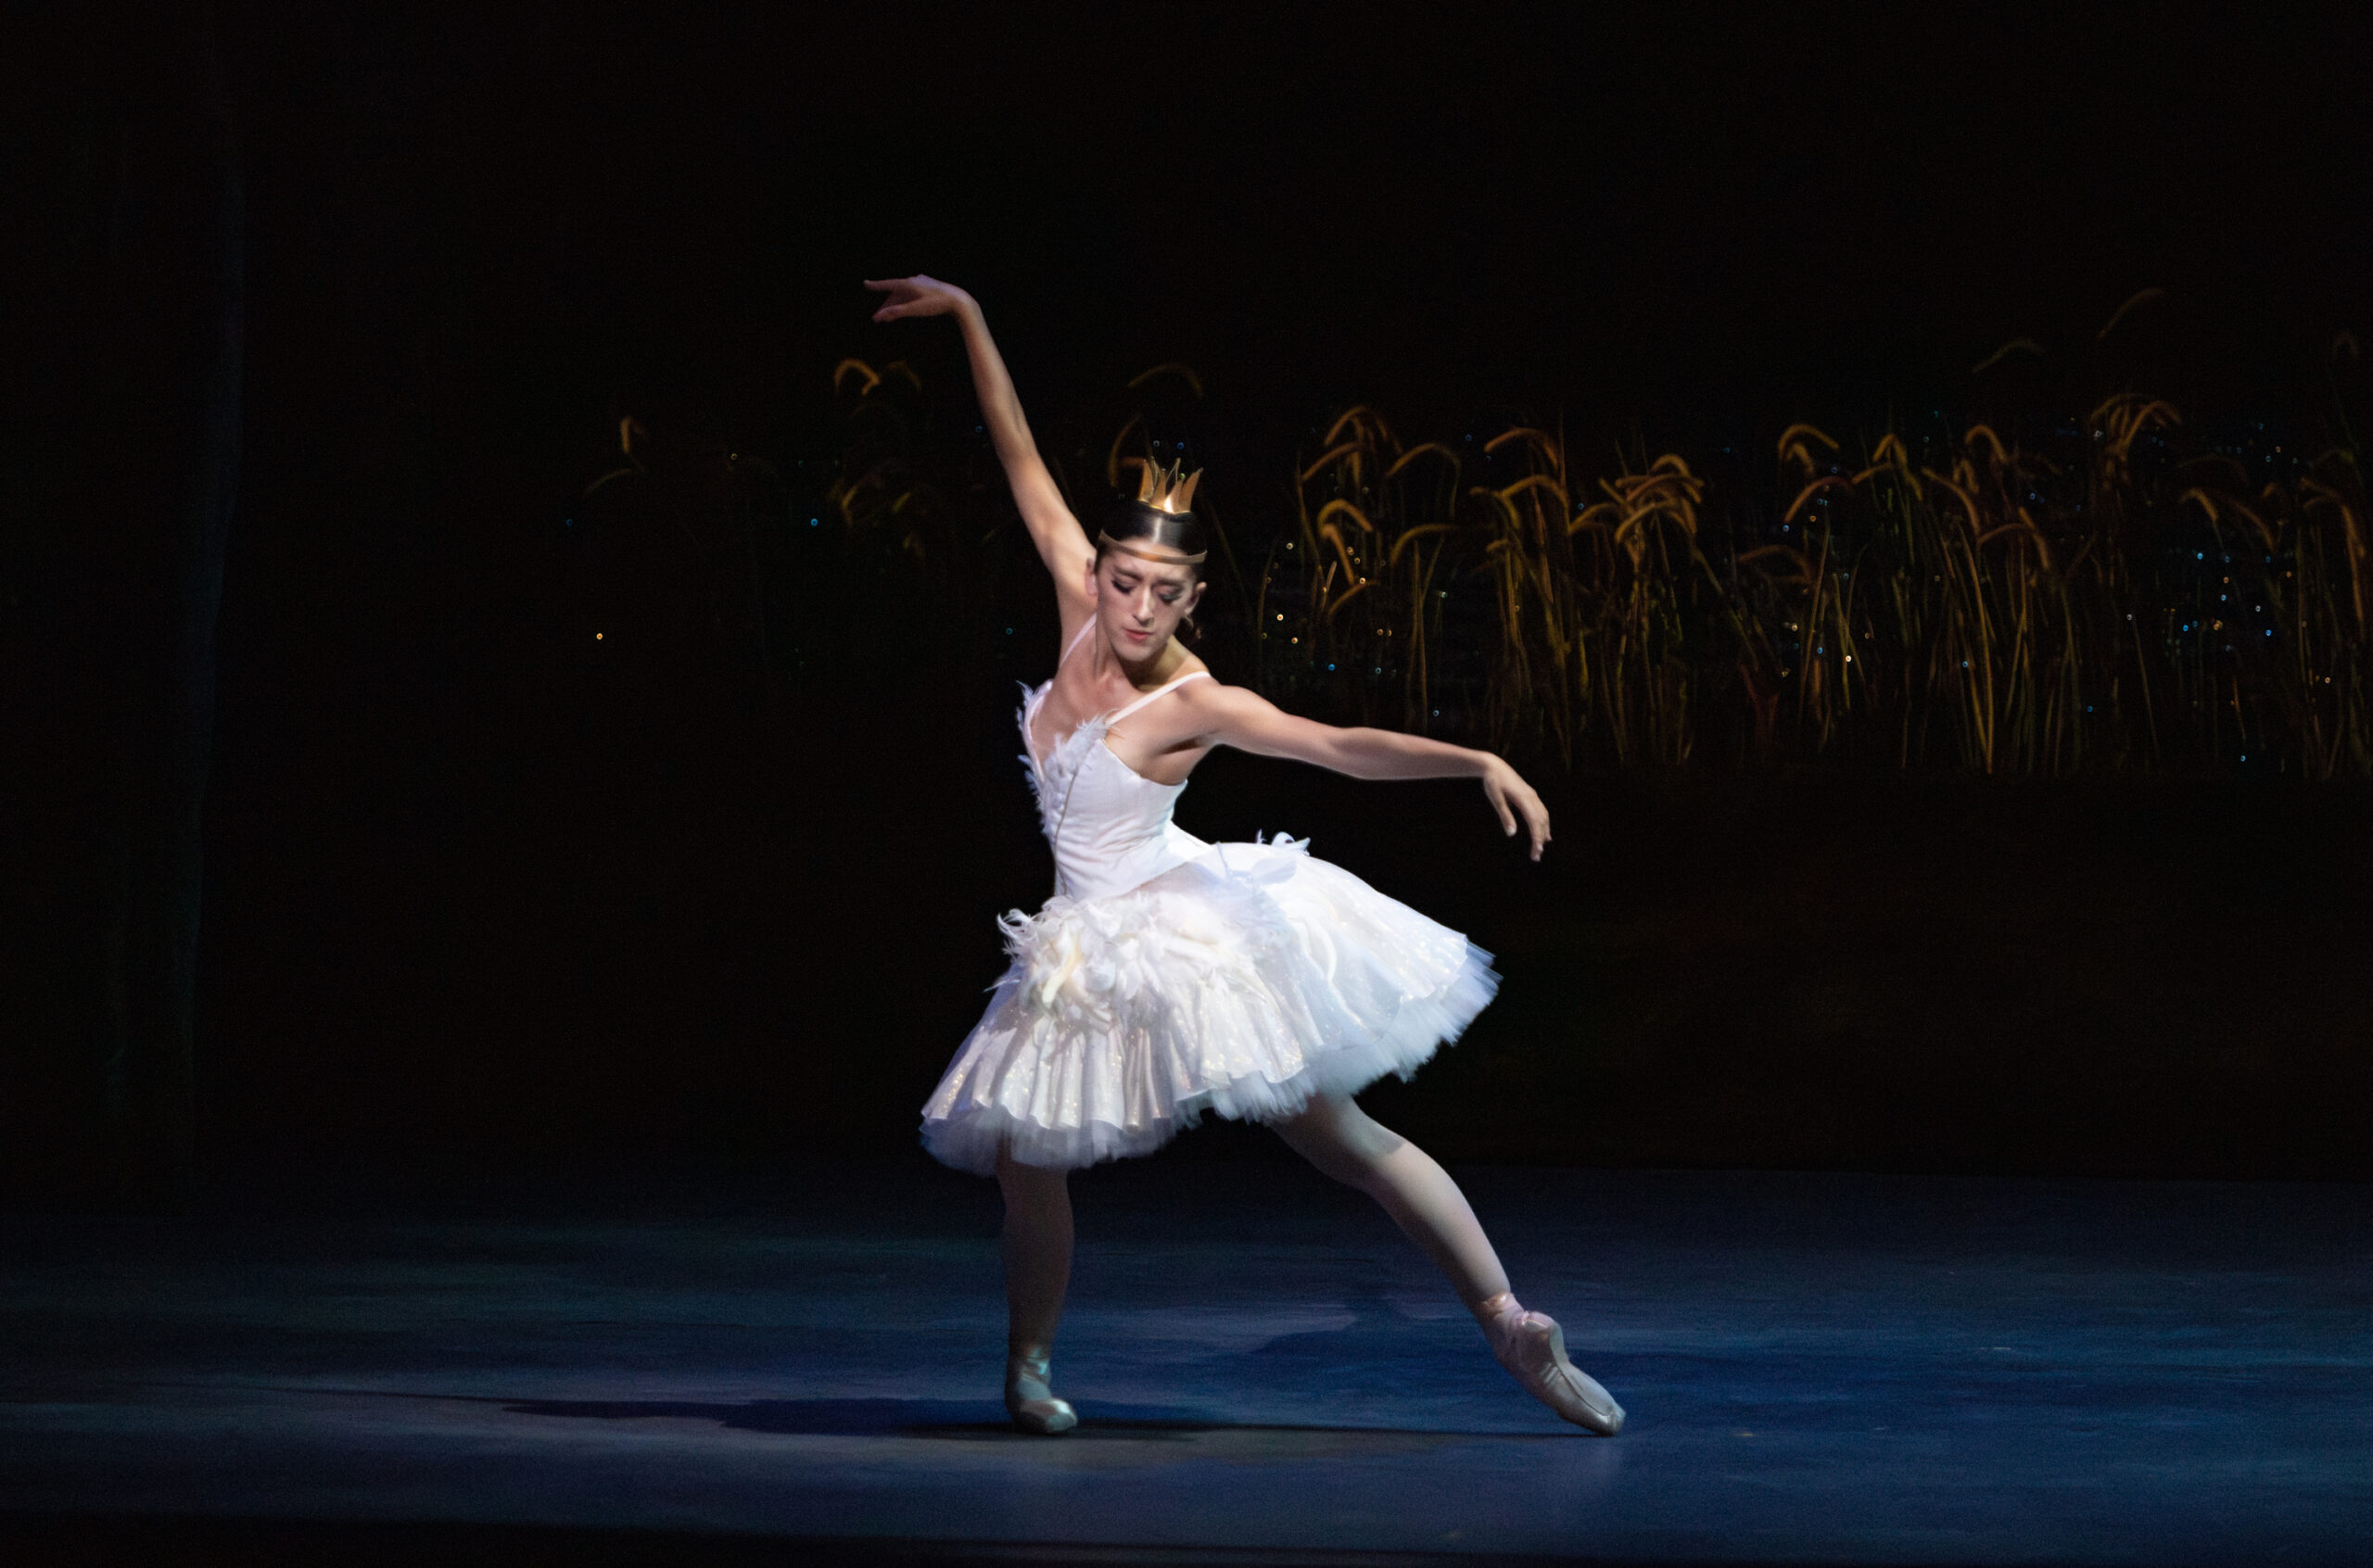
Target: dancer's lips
(1138,635)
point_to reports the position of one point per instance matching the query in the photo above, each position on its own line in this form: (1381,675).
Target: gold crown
(1163,489)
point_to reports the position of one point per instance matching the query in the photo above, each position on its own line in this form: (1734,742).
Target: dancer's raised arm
(1062,543)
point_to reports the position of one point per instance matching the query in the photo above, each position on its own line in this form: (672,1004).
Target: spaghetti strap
(1072,647)
(1191,675)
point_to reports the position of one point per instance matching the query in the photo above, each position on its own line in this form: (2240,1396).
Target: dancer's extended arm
(1231,715)
(1062,543)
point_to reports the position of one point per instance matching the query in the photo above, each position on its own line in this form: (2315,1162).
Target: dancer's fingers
(909,296)
(1499,804)
(1513,796)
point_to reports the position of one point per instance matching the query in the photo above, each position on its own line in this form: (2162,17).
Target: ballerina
(1168,977)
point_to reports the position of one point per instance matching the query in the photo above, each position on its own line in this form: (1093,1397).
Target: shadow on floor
(961,1421)
(68,1540)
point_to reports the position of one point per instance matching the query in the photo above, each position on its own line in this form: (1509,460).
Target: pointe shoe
(1029,1401)
(1532,1347)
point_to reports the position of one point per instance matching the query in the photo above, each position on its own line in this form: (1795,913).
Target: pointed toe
(1532,1347)
(1043,1418)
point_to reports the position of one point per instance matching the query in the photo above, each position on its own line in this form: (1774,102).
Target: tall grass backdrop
(2083,589)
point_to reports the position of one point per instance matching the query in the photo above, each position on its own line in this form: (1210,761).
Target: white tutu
(1169,976)
(1244,980)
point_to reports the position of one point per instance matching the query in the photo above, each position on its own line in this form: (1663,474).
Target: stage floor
(1841,1369)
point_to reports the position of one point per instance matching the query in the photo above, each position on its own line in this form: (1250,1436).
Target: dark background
(1693,215)
(478,900)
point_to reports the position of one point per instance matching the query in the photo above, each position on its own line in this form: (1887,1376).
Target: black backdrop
(472,901)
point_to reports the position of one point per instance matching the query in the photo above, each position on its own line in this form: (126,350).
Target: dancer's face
(1140,603)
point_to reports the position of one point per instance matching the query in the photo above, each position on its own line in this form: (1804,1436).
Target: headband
(1129,547)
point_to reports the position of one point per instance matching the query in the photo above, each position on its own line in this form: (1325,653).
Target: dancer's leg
(1037,1246)
(1343,1141)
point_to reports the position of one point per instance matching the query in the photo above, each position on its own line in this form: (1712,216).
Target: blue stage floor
(1835,1369)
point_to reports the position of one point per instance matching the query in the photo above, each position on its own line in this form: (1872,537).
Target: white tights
(1333,1134)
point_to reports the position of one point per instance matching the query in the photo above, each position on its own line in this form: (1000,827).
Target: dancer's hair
(1157,523)
(1173,537)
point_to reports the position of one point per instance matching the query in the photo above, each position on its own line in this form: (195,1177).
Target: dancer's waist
(1103,870)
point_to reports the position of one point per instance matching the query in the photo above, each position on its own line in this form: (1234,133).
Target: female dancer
(1167,976)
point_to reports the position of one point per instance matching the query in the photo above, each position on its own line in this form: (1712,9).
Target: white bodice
(1108,825)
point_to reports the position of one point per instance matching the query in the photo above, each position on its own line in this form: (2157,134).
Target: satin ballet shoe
(1029,1401)
(1532,1347)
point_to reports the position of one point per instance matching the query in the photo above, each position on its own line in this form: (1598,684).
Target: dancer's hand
(918,295)
(1511,798)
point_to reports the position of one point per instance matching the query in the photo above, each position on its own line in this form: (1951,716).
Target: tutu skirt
(1244,981)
